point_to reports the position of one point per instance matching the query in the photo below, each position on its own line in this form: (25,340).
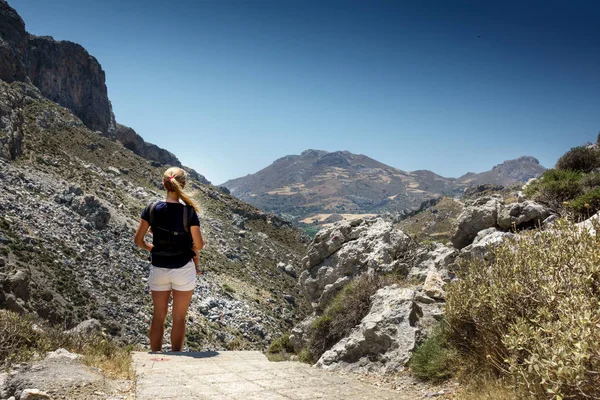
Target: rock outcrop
(516,215)
(399,318)
(63,71)
(490,212)
(479,214)
(379,343)
(347,250)
(11,122)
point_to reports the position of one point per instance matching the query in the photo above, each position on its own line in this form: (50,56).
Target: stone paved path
(246,375)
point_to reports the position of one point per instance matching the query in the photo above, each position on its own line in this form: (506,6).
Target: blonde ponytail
(174,180)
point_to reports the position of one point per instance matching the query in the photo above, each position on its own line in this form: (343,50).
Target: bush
(555,187)
(590,181)
(281,345)
(435,359)
(582,159)
(344,312)
(586,204)
(532,313)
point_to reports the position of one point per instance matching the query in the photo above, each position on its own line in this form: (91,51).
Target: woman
(176,242)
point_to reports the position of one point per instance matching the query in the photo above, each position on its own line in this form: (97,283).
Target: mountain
(317,181)
(316,184)
(65,73)
(508,173)
(71,194)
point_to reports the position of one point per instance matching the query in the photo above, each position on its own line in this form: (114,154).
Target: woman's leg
(160,299)
(181,302)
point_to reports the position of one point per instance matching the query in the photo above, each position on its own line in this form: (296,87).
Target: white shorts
(163,279)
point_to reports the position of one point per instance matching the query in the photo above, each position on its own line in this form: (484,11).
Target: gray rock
(34,394)
(436,258)
(590,224)
(480,248)
(62,353)
(298,337)
(346,250)
(11,121)
(14,304)
(434,285)
(517,214)
(87,327)
(19,284)
(93,211)
(477,216)
(384,340)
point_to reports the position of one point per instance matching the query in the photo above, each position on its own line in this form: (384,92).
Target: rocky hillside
(407,301)
(70,200)
(315,185)
(67,74)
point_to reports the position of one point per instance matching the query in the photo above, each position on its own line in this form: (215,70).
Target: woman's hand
(140,234)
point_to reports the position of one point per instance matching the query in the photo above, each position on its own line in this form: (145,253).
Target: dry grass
(484,388)
(21,340)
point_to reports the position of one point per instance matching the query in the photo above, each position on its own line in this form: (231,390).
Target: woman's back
(168,225)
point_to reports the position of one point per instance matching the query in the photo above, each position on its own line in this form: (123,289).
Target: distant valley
(320,187)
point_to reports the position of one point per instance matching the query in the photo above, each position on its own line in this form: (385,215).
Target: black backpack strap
(188,214)
(186,218)
(150,209)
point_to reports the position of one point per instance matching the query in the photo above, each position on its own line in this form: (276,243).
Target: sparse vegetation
(344,312)
(435,359)
(21,339)
(532,314)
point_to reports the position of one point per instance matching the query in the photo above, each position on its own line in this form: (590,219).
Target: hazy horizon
(451,88)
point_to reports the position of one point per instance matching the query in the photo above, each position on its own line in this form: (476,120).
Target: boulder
(477,216)
(434,285)
(34,394)
(19,284)
(517,215)
(384,340)
(480,248)
(87,327)
(346,250)
(93,211)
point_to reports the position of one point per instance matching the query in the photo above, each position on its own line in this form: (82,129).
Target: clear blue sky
(450,86)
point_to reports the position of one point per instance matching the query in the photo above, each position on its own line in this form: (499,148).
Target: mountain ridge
(318,181)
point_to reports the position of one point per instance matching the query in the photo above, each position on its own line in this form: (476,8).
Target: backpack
(187,215)
(171,243)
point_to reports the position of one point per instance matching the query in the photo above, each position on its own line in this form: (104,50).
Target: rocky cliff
(67,74)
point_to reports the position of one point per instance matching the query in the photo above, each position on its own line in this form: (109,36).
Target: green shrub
(532,313)
(281,345)
(586,204)
(591,181)
(555,187)
(582,159)
(344,312)
(435,359)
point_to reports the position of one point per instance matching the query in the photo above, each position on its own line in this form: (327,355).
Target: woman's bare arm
(140,234)
(198,244)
